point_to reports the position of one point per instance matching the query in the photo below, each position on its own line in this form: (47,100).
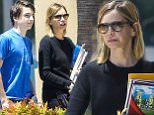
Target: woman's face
(116,31)
(59,20)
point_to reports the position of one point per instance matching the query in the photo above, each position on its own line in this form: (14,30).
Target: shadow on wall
(33,67)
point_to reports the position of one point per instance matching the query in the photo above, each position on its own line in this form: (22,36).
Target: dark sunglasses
(115,26)
(58,17)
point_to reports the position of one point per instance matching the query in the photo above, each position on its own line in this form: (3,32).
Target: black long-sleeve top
(54,65)
(104,86)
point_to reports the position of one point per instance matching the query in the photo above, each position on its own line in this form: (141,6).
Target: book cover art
(140,96)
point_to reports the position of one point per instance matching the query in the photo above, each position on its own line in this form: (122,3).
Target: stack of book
(140,94)
(80,54)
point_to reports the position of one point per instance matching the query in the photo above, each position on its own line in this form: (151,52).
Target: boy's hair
(16,9)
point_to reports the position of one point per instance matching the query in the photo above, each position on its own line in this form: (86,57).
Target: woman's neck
(59,36)
(123,59)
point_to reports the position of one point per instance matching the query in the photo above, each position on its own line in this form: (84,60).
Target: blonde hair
(129,11)
(51,11)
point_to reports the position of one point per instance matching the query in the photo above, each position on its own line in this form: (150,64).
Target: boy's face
(26,19)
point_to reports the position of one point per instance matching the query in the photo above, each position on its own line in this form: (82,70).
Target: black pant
(61,100)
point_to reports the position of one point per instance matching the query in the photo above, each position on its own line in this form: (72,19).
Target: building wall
(41,7)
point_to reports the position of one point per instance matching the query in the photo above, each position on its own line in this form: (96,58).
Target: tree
(87,24)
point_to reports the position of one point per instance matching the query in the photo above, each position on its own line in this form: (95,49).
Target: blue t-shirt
(16,53)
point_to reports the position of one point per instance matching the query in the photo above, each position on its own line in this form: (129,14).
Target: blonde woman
(103,83)
(55,55)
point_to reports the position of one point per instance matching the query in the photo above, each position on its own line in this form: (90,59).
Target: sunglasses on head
(58,17)
(115,26)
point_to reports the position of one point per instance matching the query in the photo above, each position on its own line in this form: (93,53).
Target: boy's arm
(3,97)
(2,92)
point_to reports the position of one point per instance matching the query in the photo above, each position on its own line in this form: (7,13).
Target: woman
(55,55)
(103,83)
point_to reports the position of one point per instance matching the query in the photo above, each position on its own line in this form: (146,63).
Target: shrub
(30,108)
